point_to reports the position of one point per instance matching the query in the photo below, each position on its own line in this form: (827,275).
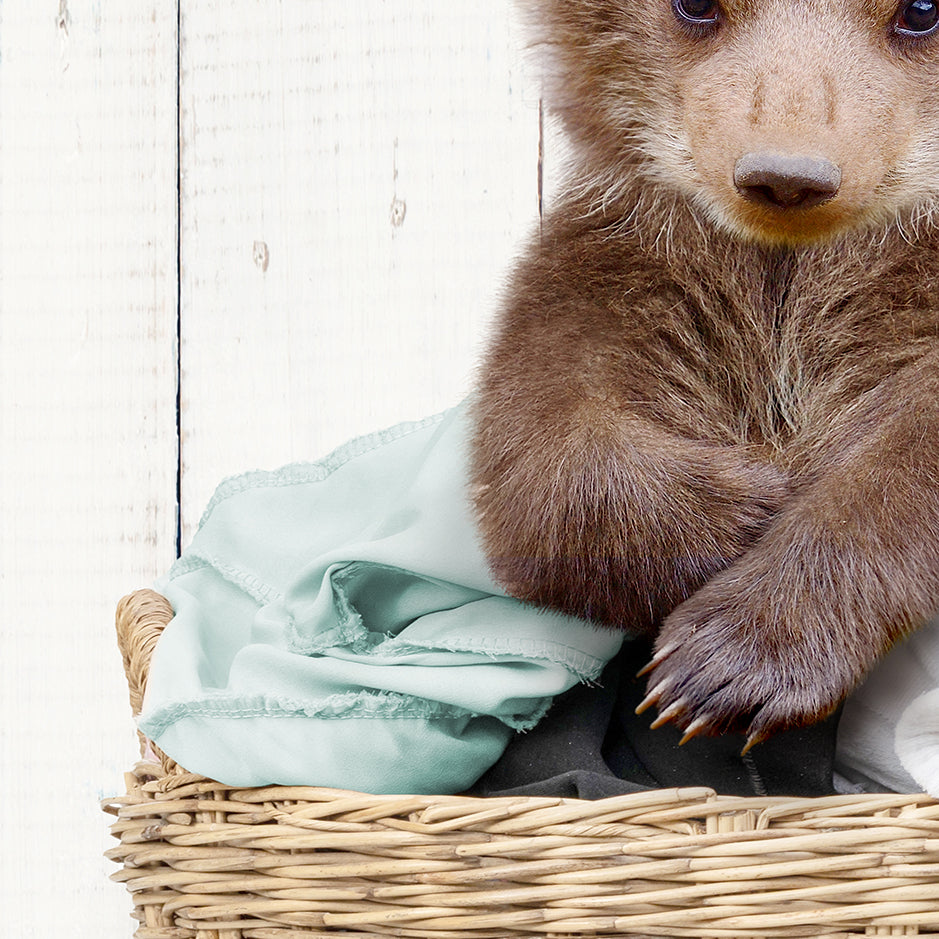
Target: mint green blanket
(336,626)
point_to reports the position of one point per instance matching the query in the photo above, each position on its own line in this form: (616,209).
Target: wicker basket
(204,861)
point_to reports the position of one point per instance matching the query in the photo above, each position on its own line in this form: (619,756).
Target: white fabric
(889,731)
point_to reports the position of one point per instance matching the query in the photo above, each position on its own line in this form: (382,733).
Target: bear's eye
(917,18)
(700,12)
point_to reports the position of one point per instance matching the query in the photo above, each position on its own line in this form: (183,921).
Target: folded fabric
(917,741)
(592,744)
(336,625)
(889,732)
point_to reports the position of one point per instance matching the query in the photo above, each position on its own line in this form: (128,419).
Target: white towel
(889,732)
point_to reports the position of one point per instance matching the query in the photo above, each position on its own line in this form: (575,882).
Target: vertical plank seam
(179,282)
(541,166)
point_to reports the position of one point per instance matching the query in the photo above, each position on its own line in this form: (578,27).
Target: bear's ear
(549,39)
(560,38)
(543,23)
(560,19)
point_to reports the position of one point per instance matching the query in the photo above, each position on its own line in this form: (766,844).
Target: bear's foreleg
(599,513)
(849,566)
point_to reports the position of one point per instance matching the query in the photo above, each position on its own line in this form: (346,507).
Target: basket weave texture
(205,861)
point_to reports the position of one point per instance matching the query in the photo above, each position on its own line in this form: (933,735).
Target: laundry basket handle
(140,619)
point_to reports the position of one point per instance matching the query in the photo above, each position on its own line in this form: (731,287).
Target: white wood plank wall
(354,179)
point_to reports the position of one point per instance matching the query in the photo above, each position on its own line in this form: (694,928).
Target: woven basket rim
(204,859)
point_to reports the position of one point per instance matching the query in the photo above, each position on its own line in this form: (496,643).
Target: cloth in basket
(336,625)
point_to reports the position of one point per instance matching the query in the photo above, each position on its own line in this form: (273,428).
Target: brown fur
(711,417)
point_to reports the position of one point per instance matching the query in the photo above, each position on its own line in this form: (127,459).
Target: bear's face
(785,121)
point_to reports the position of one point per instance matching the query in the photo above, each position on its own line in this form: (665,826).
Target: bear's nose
(785,180)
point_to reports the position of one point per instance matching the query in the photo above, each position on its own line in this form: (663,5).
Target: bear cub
(710,409)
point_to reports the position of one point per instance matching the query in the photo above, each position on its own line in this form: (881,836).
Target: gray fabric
(591,744)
